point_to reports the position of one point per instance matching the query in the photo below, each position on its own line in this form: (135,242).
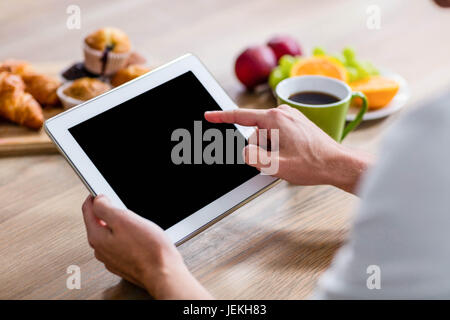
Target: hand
(139,251)
(306,154)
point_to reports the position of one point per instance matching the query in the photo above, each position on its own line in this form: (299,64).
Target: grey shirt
(399,246)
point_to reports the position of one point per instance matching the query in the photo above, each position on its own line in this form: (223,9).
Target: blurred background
(217,30)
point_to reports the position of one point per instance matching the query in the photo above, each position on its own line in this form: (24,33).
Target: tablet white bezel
(57,128)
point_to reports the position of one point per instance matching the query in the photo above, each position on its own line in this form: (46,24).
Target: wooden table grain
(274,247)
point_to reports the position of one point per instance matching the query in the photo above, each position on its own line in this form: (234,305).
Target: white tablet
(122,144)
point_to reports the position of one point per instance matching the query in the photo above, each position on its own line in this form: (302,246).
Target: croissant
(17,105)
(16,66)
(40,86)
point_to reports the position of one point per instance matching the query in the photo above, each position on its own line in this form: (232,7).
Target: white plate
(396,103)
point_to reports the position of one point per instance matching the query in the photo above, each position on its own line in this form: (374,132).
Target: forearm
(347,167)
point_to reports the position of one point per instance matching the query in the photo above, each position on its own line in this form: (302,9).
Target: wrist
(172,280)
(156,275)
(346,167)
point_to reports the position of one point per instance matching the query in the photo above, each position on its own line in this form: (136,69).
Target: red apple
(282,45)
(443,3)
(253,66)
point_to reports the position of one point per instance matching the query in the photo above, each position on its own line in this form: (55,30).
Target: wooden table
(274,247)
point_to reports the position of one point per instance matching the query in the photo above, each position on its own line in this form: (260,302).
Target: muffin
(80,90)
(129,73)
(106,51)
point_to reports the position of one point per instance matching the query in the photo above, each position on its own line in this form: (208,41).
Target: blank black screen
(131,146)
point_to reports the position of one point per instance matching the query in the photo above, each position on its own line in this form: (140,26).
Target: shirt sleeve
(399,246)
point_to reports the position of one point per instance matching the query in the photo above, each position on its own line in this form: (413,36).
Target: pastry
(80,90)
(40,86)
(128,73)
(86,88)
(106,51)
(109,38)
(17,105)
(18,67)
(135,58)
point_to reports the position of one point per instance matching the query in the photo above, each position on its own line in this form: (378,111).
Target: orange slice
(322,66)
(378,90)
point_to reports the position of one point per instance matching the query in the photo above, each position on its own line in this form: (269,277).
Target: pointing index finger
(243,117)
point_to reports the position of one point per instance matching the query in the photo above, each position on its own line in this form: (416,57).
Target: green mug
(329,117)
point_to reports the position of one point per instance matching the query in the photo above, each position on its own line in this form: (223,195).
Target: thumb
(104,210)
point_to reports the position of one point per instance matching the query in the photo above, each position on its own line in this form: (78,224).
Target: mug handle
(353,124)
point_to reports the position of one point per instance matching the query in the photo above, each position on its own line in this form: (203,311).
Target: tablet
(121,144)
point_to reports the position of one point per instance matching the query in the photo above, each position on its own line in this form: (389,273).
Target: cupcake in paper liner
(73,93)
(106,51)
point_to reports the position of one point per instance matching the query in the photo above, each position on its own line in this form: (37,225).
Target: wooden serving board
(17,140)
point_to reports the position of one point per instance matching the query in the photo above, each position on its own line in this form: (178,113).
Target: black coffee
(313,97)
